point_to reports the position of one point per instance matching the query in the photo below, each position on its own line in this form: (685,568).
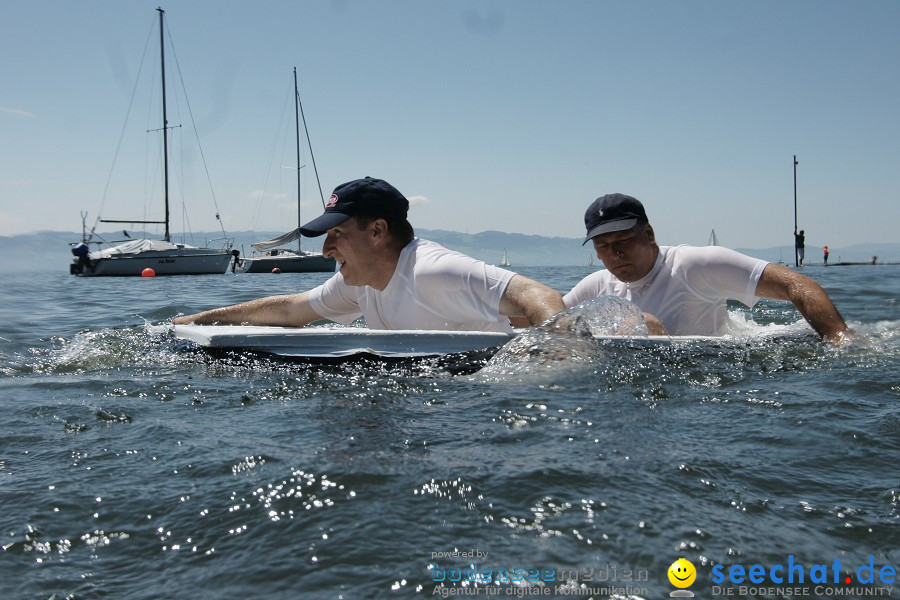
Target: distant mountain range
(49,250)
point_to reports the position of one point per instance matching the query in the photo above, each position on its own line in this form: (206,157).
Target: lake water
(133,465)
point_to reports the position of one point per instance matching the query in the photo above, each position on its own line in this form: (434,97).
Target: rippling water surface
(133,465)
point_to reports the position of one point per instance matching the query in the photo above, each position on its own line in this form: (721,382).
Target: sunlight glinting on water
(126,451)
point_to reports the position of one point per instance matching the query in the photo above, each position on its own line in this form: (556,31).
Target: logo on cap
(332,201)
(599,212)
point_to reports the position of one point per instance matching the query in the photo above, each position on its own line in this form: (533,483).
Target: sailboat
(504,260)
(713,239)
(287,260)
(135,256)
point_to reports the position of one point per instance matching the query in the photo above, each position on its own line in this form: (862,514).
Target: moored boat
(134,257)
(269,256)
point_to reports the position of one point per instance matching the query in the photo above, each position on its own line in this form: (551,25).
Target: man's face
(352,247)
(629,254)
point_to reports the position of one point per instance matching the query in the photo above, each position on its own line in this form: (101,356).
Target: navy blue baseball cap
(612,212)
(368,196)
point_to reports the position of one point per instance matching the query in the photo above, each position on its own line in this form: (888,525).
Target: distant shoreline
(50,250)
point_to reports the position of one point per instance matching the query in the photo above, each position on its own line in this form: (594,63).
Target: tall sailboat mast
(312,156)
(165,122)
(297,131)
(165,132)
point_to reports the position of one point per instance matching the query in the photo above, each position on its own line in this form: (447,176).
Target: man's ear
(650,235)
(379,227)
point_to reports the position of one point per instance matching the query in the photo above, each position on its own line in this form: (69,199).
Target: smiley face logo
(682,573)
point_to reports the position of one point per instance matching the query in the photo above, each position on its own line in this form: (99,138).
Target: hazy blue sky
(510,115)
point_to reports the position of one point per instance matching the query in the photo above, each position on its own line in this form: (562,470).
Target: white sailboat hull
(287,262)
(178,261)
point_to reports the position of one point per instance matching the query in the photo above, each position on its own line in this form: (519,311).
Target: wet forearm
(286,311)
(528,299)
(818,309)
(807,296)
(543,307)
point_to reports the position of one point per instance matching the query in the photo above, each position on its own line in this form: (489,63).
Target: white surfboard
(337,342)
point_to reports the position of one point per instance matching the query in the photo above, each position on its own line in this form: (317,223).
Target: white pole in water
(796,248)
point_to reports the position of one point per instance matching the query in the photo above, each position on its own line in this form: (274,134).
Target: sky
(507,115)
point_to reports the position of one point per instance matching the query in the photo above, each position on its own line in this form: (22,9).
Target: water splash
(603,316)
(566,340)
(740,324)
(107,348)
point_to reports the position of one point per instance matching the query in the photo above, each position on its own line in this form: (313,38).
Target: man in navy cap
(687,287)
(394,279)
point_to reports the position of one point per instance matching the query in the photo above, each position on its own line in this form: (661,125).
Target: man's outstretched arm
(808,297)
(526,299)
(291,310)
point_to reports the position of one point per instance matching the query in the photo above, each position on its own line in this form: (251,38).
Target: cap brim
(620,225)
(323,223)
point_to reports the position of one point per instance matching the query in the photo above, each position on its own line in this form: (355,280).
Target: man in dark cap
(394,279)
(687,287)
